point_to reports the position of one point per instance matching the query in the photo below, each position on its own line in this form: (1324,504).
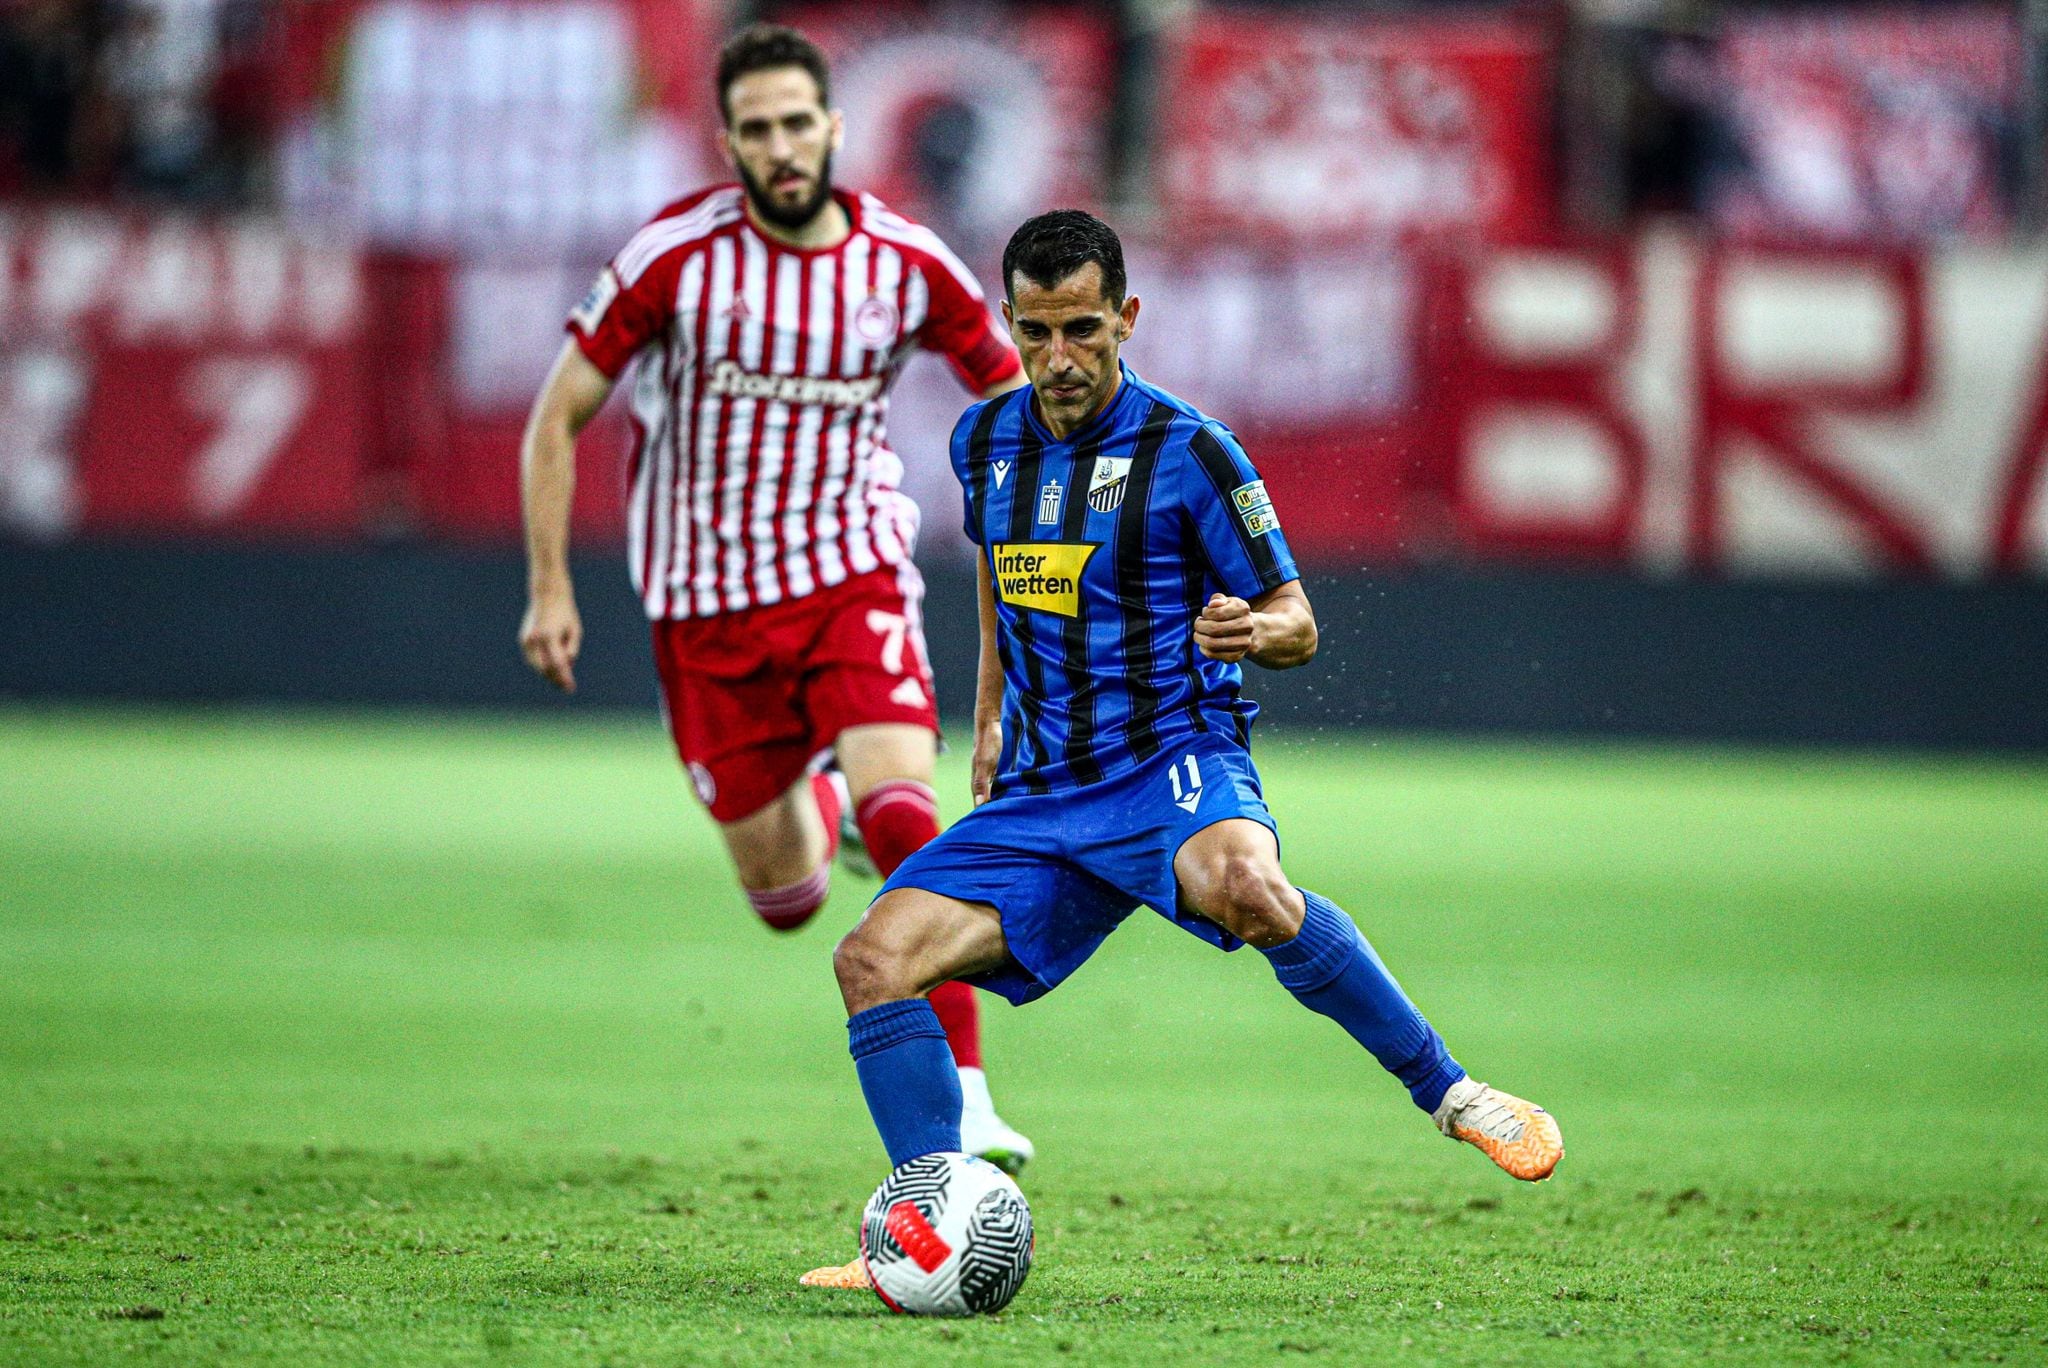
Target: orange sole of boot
(848,1277)
(1533,1156)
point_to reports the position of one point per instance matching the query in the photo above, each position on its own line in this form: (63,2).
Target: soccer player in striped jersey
(1130,560)
(768,541)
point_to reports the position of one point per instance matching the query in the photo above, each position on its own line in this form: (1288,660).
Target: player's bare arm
(988,691)
(1276,630)
(552,633)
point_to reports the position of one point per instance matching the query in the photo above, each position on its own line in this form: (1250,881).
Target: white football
(946,1235)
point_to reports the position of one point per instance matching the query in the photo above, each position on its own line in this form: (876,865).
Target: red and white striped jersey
(760,471)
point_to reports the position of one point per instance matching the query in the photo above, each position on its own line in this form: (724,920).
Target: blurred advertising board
(176,374)
(450,126)
(1680,404)
(974,122)
(1328,127)
(1864,125)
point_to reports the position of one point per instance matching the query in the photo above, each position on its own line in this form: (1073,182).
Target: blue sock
(907,1074)
(1332,969)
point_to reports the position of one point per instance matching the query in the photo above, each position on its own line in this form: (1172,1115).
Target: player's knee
(869,971)
(856,965)
(1254,902)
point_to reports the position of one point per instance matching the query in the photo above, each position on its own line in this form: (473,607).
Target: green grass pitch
(428,1040)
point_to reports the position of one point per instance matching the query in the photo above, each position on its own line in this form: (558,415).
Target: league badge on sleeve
(590,312)
(1255,508)
(1106,485)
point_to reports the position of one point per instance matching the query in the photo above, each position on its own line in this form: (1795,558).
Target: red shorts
(753,696)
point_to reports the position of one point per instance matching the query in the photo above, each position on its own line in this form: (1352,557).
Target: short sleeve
(617,318)
(959,327)
(1232,516)
(979,420)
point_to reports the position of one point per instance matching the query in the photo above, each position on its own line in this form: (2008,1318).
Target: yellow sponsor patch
(1042,575)
(1255,508)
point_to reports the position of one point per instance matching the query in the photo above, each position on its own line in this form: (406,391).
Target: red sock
(896,818)
(827,794)
(792,905)
(960,1018)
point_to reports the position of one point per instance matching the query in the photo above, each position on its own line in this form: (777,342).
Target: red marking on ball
(907,1225)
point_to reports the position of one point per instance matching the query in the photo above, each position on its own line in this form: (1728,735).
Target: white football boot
(986,1135)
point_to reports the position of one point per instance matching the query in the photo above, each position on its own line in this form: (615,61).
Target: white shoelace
(1488,1115)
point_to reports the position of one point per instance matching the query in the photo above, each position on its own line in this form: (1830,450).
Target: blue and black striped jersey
(1103,549)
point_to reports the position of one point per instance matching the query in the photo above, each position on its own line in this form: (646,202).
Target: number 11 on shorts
(1190,794)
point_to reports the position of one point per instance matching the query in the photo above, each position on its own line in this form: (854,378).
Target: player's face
(1068,336)
(781,139)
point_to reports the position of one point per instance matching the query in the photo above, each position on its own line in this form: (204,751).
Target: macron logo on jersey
(1002,469)
(729,380)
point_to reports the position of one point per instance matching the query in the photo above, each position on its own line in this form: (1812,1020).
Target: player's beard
(799,215)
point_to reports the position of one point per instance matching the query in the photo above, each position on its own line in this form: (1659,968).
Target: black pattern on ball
(922,1180)
(998,1252)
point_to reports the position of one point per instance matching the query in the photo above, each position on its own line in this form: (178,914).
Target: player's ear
(837,121)
(1129,314)
(1009,318)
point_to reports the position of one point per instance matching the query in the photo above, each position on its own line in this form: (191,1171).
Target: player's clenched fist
(550,636)
(1224,630)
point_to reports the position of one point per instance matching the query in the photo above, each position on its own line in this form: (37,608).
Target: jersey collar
(848,200)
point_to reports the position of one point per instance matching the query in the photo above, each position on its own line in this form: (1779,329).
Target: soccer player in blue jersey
(1130,560)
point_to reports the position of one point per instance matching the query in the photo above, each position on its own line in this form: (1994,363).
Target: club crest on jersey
(1106,485)
(1045,576)
(1253,505)
(1049,503)
(875,320)
(590,312)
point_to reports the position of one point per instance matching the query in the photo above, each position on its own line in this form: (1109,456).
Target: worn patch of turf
(442,1040)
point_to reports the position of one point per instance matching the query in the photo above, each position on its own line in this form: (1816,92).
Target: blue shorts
(1065,868)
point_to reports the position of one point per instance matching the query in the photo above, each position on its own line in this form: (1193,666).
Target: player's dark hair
(763,47)
(1051,247)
